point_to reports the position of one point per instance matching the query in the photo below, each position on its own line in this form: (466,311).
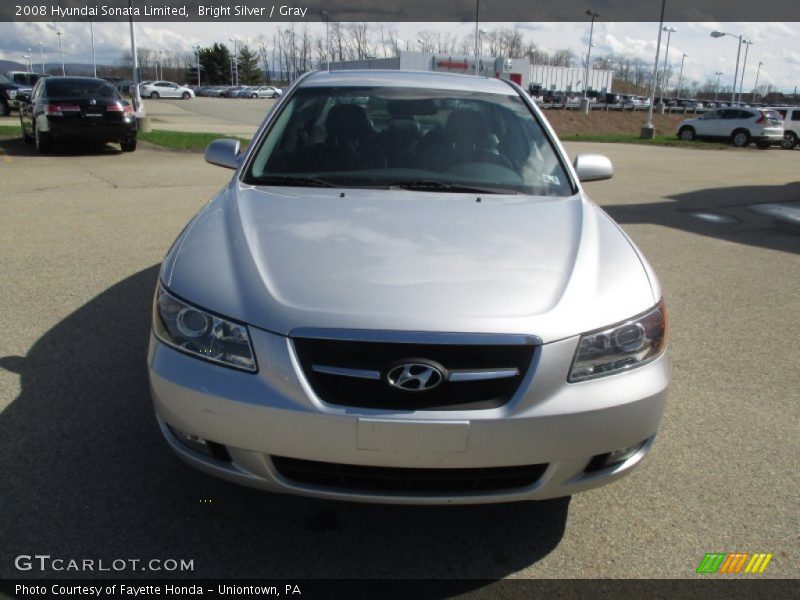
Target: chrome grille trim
(345,372)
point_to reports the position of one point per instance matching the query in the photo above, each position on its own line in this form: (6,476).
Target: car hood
(286,258)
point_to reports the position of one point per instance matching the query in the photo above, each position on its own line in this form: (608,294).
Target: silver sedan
(404,295)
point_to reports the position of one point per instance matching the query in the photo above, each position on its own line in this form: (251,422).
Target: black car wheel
(789,140)
(185,95)
(128,145)
(687,134)
(154,96)
(41,141)
(740,138)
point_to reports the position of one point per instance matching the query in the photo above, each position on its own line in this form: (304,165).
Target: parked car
(8,95)
(398,301)
(82,108)
(265,91)
(165,89)
(739,125)
(791,125)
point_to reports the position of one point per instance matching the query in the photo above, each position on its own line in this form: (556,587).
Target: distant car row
(239,91)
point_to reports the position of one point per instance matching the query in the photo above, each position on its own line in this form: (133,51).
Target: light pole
(593,15)
(481,33)
(648,131)
(719,34)
(94,56)
(755,87)
(680,77)
(477,32)
(61,50)
(664,86)
(197,55)
(744,66)
(27,59)
(41,51)
(327,16)
(716,89)
(235,63)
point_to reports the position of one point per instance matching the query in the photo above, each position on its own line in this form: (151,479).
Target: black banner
(408,11)
(551,589)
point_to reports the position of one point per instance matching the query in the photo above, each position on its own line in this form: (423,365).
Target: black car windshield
(78,88)
(409,138)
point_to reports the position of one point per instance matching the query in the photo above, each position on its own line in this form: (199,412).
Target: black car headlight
(623,346)
(200,333)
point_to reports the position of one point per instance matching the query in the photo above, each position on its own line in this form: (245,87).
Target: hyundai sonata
(404,295)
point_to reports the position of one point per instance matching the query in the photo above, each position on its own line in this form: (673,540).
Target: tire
(687,134)
(42,141)
(274,95)
(5,109)
(254,96)
(789,140)
(154,96)
(740,138)
(186,95)
(128,145)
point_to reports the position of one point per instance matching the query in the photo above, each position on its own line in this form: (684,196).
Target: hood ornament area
(415,376)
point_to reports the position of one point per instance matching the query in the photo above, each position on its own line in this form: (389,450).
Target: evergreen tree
(215,64)
(249,73)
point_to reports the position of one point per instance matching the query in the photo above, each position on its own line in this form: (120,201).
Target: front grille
(380,357)
(408,480)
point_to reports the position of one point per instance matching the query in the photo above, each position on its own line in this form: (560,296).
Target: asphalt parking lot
(86,474)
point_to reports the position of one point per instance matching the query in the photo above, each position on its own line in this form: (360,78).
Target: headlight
(620,347)
(11,94)
(196,332)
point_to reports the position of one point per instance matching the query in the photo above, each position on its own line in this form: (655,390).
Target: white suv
(739,125)
(791,125)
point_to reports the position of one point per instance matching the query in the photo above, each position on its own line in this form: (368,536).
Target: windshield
(410,138)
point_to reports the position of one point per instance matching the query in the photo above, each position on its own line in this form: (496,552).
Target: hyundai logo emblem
(415,376)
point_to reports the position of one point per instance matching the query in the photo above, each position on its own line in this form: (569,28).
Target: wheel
(789,140)
(740,138)
(154,96)
(254,96)
(687,134)
(185,95)
(128,145)
(274,95)
(5,109)
(763,145)
(41,141)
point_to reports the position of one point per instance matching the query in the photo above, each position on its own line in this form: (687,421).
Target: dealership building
(540,78)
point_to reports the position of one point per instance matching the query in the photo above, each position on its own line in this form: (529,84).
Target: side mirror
(593,167)
(224,153)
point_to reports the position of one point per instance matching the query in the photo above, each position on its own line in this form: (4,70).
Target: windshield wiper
(290,180)
(425,185)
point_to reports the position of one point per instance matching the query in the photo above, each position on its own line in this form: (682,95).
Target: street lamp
(593,15)
(680,77)
(94,56)
(664,86)
(41,51)
(477,32)
(648,131)
(481,33)
(27,59)
(235,63)
(61,50)
(327,16)
(755,87)
(719,34)
(716,89)
(744,66)
(197,54)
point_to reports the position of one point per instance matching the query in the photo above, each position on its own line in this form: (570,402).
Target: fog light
(201,445)
(608,460)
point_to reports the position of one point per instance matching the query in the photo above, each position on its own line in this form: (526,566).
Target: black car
(80,108)
(8,95)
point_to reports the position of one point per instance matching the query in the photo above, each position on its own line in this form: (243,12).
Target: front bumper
(275,413)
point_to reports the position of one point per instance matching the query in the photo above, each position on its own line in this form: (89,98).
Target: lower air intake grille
(393,479)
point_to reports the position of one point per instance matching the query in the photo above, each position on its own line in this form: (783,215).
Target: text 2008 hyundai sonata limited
(403,295)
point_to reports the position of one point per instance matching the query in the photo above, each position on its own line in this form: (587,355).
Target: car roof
(421,79)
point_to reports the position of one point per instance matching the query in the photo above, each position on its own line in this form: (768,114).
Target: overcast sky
(775,44)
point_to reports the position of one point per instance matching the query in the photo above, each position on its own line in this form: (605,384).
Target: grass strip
(183,140)
(628,138)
